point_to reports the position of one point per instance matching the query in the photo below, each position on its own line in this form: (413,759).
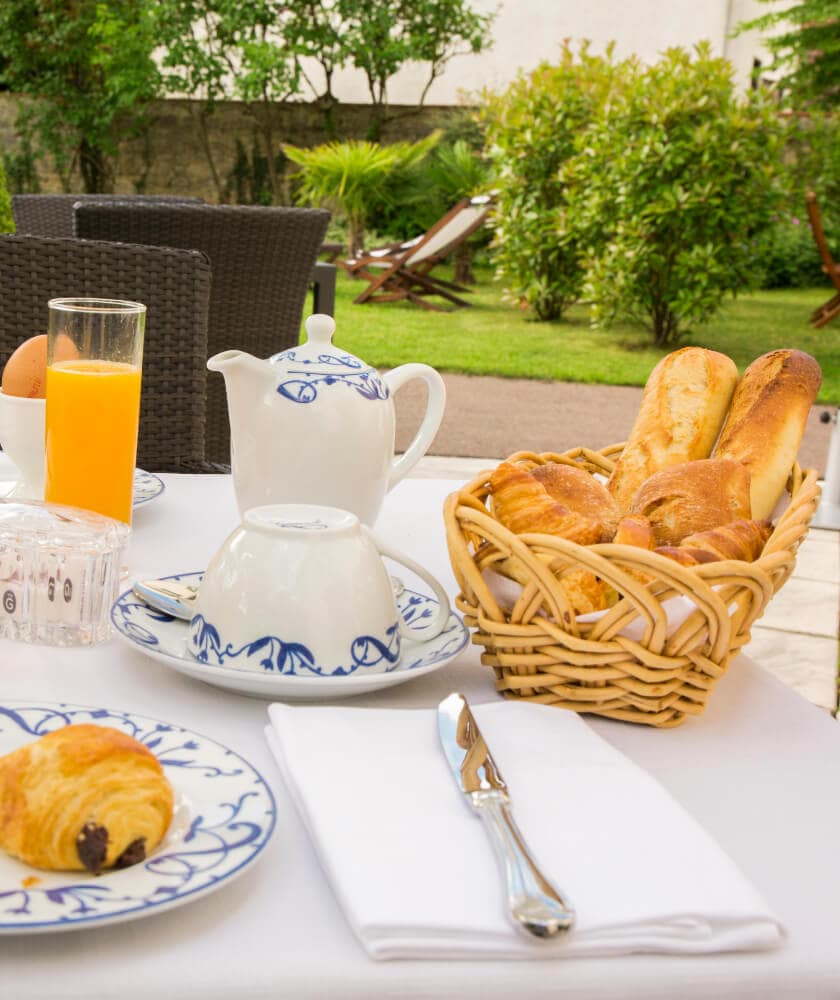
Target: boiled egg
(25,373)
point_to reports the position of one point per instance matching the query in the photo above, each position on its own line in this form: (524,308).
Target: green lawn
(496,338)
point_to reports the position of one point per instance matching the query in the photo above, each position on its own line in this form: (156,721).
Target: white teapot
(316,425)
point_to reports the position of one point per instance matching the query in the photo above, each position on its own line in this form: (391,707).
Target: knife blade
(175,599)
(534,903)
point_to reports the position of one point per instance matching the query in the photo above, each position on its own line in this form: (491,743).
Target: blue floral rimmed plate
(147,486)
(224,816)
(165,639)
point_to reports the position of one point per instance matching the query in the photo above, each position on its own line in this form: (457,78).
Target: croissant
(743,540)
(584,591)
(686,556)
(521,503)
(580,492)
(739,540)
(83,797)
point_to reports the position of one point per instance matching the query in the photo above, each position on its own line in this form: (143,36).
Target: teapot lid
(318,353)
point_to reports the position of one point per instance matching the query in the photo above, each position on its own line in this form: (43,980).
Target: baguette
(683,406)
(767,420)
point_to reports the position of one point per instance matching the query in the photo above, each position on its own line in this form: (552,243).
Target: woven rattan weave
(175,287)
(52,214)
(638,661)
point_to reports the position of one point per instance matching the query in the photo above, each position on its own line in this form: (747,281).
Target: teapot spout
(230,361)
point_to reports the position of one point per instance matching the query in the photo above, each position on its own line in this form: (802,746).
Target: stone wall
(169,157)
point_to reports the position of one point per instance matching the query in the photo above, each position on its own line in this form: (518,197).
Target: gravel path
(489,417)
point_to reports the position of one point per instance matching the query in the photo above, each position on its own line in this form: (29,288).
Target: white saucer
(165,639)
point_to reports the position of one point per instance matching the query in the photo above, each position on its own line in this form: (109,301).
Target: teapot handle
(397,378)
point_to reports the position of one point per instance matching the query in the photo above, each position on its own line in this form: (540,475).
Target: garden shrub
(533,127)
(787,255)
(671,187)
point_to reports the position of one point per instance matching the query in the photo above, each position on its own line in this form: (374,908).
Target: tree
(264,69)
(383,36)
(314,30)
(806,50)
(87,68)
(195,66)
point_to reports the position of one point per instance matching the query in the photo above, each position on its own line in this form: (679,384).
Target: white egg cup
(300,589)
(22,428)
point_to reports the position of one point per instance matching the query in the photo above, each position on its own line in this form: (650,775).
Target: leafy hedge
(643,188)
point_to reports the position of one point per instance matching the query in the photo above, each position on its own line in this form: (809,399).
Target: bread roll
(767,420)
(694,496)
(580,492)
(83,797)
(521,503)
(683,406)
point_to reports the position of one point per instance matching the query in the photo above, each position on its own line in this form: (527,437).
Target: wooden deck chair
(830,309)
(403,270)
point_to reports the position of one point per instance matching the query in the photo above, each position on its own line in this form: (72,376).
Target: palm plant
(354,177)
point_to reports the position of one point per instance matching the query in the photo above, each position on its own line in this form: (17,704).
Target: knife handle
(534,903)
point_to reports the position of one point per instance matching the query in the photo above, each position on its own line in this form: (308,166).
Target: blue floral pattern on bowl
(270,652)
(225,815)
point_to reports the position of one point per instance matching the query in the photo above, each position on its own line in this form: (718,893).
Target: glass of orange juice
(94,362)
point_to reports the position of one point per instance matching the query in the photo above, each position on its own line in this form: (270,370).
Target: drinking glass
(94,362)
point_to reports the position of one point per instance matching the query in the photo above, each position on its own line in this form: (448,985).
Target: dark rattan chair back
(174,285)
(52,214)
(262,260)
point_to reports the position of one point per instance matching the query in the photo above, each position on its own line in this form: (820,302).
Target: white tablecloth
(760,770)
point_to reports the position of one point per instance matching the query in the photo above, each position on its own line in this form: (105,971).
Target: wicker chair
(262,260)
(52,214)
(175,287)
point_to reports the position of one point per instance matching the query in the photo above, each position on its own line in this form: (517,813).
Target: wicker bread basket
(540,651)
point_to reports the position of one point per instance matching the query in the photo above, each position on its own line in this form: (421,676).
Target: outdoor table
(760,770)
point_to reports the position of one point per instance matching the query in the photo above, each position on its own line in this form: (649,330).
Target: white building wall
(527,32)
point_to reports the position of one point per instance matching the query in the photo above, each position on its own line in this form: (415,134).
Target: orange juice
(93,411)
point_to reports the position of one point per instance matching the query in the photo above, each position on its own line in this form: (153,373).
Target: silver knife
(535,905)
(168,596)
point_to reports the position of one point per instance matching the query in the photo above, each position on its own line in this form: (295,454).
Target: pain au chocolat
(84,797)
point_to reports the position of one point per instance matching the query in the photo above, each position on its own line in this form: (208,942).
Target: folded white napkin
(415,872)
